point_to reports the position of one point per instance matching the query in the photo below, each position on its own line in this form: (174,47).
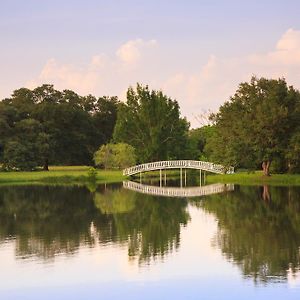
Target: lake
(135,242)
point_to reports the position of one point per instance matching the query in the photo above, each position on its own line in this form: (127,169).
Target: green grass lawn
(60,174)
(79,174)
(255,178)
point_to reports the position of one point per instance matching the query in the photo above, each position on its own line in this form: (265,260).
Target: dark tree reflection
(48,220)
(259,229)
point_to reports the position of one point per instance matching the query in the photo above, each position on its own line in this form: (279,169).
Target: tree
(293,153)
(150,122)
(27,148)
(115,156)
(255,126)
(197,140)
(71,127)
(104,117)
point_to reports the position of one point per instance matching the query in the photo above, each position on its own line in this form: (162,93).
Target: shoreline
(79,175)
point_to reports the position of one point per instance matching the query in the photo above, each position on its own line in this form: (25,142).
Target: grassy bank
(79,174)
(59,174)
(256,178)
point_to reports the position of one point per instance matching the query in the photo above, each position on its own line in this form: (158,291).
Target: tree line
(45,126)
(258,127)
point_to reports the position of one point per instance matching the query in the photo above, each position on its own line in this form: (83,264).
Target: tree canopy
(259,125)
(43,126)
(150,121)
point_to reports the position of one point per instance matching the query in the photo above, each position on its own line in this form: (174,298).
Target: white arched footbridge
(178,164)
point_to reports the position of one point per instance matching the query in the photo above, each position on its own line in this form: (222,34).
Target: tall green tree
(150,121)
(256,125)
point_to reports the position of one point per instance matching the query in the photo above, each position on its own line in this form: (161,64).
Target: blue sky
(196,51)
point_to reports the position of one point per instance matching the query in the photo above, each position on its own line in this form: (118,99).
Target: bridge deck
(178,164)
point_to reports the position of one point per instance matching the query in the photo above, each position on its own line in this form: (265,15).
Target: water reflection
(258,227)
(259,230)
(187,192)
(45,221)
(150,226)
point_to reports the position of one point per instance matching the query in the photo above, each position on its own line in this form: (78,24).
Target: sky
(197,52)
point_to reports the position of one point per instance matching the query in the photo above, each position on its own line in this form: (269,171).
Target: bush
(115,156)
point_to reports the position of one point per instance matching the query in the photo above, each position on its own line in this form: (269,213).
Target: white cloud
(218,79)
(109,75)
(65,76)
(131,52)
(286,53)
(202,88)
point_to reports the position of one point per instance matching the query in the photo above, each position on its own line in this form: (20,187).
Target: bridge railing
(178,191)
(176,164)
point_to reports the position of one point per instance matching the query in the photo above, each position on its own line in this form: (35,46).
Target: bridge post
(140,177)
(180,177)
(184,177)
(165,177)
(200,177)
(160,178)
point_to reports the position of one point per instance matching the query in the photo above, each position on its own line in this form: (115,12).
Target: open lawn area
(256,178)
(60,174)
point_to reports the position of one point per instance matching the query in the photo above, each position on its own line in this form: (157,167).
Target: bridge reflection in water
(178,191)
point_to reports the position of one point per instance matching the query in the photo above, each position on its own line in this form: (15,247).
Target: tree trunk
(46,165)
(266,194)
(266,167)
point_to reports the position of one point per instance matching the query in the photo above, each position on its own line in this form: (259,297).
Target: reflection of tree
(114,201)
(46,221)
(151,225)
(263,237)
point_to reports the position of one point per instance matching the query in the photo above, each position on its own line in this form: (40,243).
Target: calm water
(108,242)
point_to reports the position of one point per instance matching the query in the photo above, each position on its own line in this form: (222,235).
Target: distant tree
(118,156)
(197,140)
(26,150)
(293,153)
(124,155)
(104,156)
(104,118)
(150,122)
(256,125)
(71,127)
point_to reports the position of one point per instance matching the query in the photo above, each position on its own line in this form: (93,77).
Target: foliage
(26,149)
(197,141)
(150,122)
(67,128)
(256,125)
(118,156)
